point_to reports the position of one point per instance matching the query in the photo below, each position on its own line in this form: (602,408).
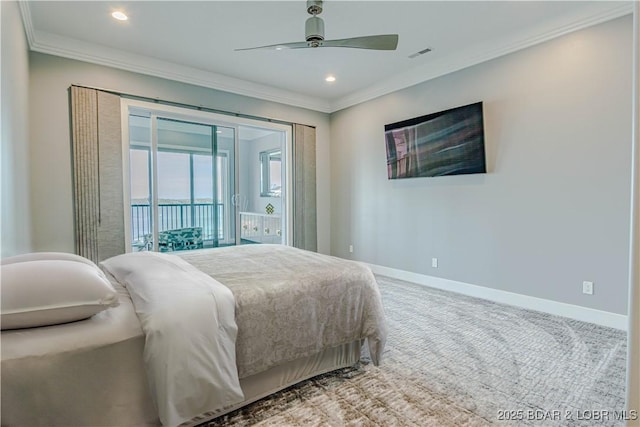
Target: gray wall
(50,78)
(553,209)
(15,214)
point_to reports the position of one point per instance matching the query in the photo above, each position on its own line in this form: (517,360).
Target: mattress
(81,373)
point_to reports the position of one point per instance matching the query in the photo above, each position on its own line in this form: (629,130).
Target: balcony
(177,216)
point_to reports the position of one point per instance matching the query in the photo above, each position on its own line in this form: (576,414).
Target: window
(271,173)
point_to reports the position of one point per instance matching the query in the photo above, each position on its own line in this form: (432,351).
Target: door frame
(213,119)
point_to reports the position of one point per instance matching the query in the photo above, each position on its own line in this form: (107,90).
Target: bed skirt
(280,377)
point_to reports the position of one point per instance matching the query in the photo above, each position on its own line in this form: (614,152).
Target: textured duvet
(292,303)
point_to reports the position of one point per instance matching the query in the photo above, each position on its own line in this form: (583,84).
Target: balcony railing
(172,216)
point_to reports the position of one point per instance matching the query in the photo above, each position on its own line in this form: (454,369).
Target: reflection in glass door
(262,185)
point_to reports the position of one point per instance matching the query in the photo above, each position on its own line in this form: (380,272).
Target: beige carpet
(453,360)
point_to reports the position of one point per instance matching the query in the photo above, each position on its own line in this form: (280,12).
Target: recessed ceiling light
(120,16)
(330,79)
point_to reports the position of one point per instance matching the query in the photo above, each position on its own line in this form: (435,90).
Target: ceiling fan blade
(381,42)
(281,46)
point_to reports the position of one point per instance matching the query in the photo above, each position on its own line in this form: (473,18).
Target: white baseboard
(571,311)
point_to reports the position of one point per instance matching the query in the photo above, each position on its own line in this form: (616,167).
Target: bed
(295,314)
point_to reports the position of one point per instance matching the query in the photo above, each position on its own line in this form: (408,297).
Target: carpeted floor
(453,360)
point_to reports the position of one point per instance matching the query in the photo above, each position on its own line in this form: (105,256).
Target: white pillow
(37,256)
(49,292)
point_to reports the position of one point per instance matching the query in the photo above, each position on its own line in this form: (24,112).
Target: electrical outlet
(587,288)
(350,248)
(434,262)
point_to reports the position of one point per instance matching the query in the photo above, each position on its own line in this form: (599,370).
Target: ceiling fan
(314,29)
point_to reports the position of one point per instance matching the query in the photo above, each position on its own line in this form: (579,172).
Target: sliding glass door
(182,180)
(194,181)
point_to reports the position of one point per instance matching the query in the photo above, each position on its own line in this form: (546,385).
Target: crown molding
(25,12)
(101,55)
(54,44)
(451,64)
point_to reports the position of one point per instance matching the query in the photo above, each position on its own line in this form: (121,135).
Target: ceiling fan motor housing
(314,29)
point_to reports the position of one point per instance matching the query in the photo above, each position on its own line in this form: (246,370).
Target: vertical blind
(305,234)
(96,138)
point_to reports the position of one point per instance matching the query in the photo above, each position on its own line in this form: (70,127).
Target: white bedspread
(189,322)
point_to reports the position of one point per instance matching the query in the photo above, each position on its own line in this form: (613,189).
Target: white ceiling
(194,42)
